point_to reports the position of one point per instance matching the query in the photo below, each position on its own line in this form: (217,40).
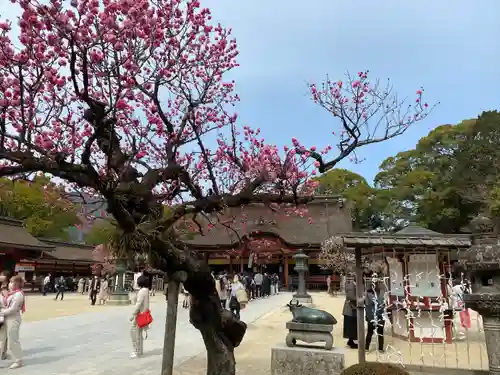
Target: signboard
(25,267)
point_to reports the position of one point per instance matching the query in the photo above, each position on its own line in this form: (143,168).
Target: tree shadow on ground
(42,349)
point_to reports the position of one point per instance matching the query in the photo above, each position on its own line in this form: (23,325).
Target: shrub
(374,368)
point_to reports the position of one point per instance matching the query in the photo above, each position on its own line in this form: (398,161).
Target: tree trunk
(220,329)
(220,353)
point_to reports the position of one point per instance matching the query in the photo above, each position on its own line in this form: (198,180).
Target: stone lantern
(119,296)
(302,267)
(482,264)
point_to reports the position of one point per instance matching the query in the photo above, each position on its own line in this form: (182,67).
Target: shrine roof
(413,236)
(73,252)
(14,235)
(328,215)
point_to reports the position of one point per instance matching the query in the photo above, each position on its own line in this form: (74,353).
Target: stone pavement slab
(41,307)
(98,343)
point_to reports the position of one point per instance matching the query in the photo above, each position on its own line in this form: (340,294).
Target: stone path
(44,307)
(98,343)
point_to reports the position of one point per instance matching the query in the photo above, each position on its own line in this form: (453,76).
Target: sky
(452,48)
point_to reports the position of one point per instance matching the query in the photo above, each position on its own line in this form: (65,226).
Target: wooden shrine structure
(16,244)
(28,256)
(419,262)
(257,237)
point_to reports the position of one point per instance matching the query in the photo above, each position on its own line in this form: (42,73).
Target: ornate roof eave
(243,239)
(376,240)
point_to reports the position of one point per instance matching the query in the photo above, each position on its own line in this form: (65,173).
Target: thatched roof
(14,235)
(329,214)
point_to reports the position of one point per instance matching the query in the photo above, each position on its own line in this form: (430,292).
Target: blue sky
(450,47)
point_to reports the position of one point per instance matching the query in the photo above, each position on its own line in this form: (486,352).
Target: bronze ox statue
(303,314)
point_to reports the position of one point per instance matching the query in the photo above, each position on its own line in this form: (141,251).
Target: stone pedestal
(118,299)
(309,333)
(492,337)
(482,264)
(301,361)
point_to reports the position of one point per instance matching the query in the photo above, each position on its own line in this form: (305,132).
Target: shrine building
(256,237)
(31,257)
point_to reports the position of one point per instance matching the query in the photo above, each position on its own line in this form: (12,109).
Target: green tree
(40,204)
(423,184)
(478,162)
(100,233)
(356,190)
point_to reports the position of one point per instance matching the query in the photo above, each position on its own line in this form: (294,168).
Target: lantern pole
(301,267)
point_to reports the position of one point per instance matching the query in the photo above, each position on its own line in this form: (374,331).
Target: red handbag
(144,319)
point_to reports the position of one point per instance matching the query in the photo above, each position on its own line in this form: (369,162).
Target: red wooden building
(16,244)
(258,237)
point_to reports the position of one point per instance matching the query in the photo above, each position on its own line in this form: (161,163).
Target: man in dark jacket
(61,287)
(375,306)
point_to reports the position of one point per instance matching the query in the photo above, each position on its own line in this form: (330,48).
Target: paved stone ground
(44,307)
(98,343)
(253,357)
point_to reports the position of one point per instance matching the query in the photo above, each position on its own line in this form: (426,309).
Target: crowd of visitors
(235,291)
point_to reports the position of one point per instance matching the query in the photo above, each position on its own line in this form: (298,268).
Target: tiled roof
(412,236)
(13,234)
(70,251)
(329,216)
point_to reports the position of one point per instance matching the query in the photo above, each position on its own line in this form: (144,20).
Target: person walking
(46,284)
(234,304)
(4,290)
(94,288)
(61,287)
(329,285)
(81,286)
(275,284)
(258,278)
(223,291)
(12,307)
(266,285)
(350,315)
(103,291)
(375,306)
(141,306)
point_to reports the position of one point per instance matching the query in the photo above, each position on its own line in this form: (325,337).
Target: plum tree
(123,98)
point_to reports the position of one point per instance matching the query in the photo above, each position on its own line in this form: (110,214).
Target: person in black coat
(266,285)
(94,288)
(350,315)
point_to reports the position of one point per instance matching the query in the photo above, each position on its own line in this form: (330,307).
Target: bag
(144,319)
(465,318)
(241,296)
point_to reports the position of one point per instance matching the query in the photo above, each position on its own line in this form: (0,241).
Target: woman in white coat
(4,290)
(141,305)
(13,306)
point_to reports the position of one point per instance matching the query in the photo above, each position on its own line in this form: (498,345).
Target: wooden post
(360,305)
(230,264)
(167,364)
(242,267)
(285,271)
